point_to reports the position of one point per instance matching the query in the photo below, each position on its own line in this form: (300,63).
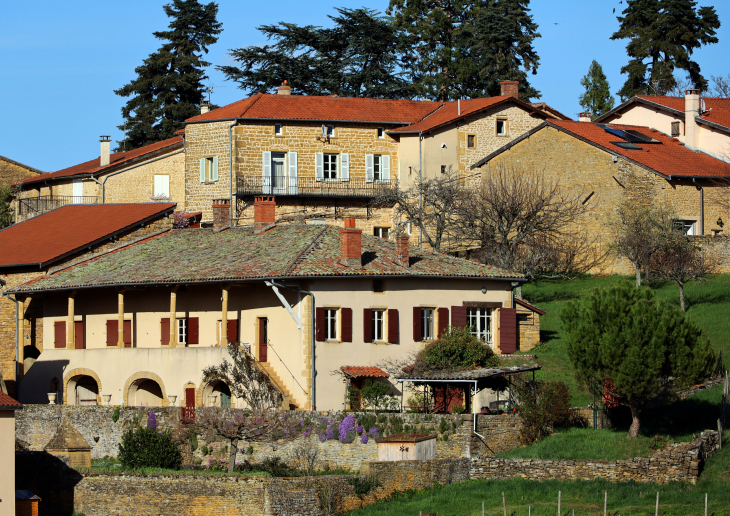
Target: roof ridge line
(258,96)
(301,253)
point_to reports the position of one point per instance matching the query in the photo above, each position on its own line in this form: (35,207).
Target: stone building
(612,164)
(154,173)
(43,244)
(150,317)
(12,171)
(528,322)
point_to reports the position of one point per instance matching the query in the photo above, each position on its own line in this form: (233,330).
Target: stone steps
(279,384)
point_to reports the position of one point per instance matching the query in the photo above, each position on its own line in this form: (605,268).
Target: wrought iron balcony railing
(310,187)
(36,205)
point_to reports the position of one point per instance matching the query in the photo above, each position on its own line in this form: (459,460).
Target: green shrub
(146,448)
(443,425)
(456,349)
(543,406)
(115,414)
(193,443)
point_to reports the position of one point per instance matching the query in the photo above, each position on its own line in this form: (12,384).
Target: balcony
(32,206)
(285,186)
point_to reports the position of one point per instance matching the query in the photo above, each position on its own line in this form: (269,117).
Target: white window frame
(330,131)
(379,230)
(182,330)
(330,324)
(378,325)
(278,129)
(688,227)
(427,320)
(479,321)
(328,161)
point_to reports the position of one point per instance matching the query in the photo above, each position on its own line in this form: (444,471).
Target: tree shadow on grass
(675,420)
(547,335)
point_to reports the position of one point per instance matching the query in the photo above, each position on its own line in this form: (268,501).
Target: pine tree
(358,57)
(169,85)
(597,98)
(662,35)
(463,48)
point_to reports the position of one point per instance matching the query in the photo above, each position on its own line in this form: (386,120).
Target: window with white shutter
(344,167)
(319,166)
(161,186)
(369,168)
(293,173)
(266,182)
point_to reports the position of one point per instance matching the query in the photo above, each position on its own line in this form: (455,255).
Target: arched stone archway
(80,382)
(220,390)
(147,388)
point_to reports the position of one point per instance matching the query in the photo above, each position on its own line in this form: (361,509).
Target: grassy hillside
(708,305)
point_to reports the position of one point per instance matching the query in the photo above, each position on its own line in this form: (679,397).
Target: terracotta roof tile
(363,372)
(718,110)
(527,305)
(290,251)
(8,403)
(668,157)
(319,108)
(117,158)
(47,237)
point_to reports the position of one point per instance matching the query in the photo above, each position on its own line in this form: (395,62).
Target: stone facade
(12,171)
(528,322)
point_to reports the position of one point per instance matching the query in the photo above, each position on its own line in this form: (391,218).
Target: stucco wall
(7,459)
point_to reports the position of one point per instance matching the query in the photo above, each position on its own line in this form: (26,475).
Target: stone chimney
(509,88)
(264,213)
(351,245)
(204,107)
(401,249)
(585,116)
(284,89)
(691,110)
(221,214)
(105,156)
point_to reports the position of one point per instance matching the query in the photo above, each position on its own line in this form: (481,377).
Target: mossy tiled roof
(292,251)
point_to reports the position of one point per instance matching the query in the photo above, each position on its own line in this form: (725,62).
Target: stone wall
(676,463)
(529,325)
(718,246)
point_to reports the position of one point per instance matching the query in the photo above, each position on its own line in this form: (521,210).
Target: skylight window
(627,145)
(629,135)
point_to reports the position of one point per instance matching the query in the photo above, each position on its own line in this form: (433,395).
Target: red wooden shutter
(508,330)
(367,325)
(443,316)
(79,335)
(393,326)
(417,324)
(127,334)
(60,334)
(232,330)
(112,330)
(458,316)
(165,330)
(193,330)
(346,318)
(319,326)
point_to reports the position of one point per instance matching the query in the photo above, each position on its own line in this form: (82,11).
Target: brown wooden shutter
(346,319)
(79,335)
(59,330)
(393,326)
(508,330)
(232,330)
(458,316)
(443,316)
(112,329)
(165,330)
(367,325)
(417,324)
(127,334)
(319,326)
(193,330)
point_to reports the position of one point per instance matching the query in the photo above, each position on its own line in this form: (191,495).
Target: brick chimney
(691,110)
(401,249)
(351,245)
(221,214)
(264,213)
(509,88)
(204,107)
(585,116)
(105,156)
(284,89)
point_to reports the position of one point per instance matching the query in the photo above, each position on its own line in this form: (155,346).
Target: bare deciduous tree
(720,86)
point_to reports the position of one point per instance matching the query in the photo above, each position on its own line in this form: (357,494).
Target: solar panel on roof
(627,145)
(634,136)
(615,132)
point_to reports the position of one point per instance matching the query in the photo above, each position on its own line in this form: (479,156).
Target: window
(381,233)
(330,166)
(501,127)
(209,169)
(329,130)
(378,325)
(443,169)
(471,141)
(330,320)
(378,287)
(687,227)
(182,331)
(161,186)
(426,323)
(479,321)
(378,167)
(675,129)
(278,129)
(381,133)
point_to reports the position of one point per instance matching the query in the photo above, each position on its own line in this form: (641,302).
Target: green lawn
(708,305)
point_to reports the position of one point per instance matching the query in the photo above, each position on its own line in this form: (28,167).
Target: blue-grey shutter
(369,168)
(319,166)
(293,173)
(214,172)
(202,170)
(344,167)
(385,168)
(266,182)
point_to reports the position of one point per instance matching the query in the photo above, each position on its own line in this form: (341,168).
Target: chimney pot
(221,214)
(585,117)
(284,89)
(350,223)
(204,107)
(402,250)
(509,88)
(264,213)
(351,245)
(105,155)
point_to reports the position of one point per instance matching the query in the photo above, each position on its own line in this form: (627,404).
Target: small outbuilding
(69,441)
(26,503)
(528,324)
(406,447)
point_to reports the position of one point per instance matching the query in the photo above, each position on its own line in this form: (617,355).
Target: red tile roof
(363,372)
(118,158)
(668,157)
(46,238)
(545,108)
(319,108)
(718,110)
(527,305)
(8,403)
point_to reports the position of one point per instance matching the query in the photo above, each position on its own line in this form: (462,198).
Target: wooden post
(173,320)
(504,504)
(656,511)
(120,319)
(559,500)
(705,504)
(70,333)
(223,338)
(605,502)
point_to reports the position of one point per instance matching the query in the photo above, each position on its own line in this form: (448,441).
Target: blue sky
(62,61)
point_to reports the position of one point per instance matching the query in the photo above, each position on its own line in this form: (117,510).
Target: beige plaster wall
(7,459)
(137,184)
